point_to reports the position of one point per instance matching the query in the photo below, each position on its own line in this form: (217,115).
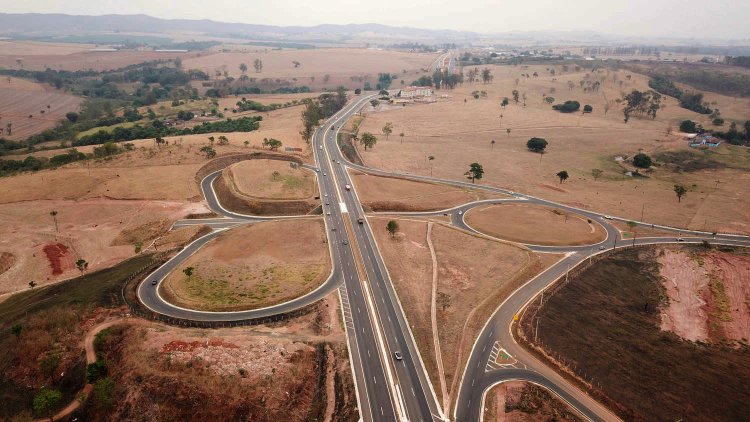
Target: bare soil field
(72,57)
(532,224)
(272,179)
(458,130)
(253,266)
(30,107)
(708,295)
(641,371)
(291,371)
(89,229)
(391,194)
(517,401)
(341,64)
(474,275)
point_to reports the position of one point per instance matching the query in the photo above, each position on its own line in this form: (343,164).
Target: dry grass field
(283,124)
(531,224)
(253,266)
(458,131)
(101,231)
(474,275)
(31,107)
(340,64)
(32,55)
(390,194)
(272,179)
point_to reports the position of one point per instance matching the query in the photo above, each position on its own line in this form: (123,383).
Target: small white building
(415,92)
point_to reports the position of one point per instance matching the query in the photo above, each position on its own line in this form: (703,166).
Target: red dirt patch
(55,252)
(182,346)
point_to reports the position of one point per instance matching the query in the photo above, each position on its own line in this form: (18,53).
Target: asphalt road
(390,389)
(411,396)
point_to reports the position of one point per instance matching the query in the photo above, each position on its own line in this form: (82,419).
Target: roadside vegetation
(40,338)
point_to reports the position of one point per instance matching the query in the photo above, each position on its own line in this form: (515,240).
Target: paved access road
(388,388)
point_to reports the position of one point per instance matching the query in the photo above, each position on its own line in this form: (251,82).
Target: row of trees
(325,106)
(688,100)
(158,129)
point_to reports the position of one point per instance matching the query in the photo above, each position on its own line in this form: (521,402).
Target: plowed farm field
(31,108)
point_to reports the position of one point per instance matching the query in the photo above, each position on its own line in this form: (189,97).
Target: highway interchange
(376,326)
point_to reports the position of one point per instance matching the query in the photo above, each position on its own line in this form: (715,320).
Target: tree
(688,126)
(81,264)
(311,115)
(596,173)
(563,175)
(430,159)
(274,144)
(486,75)
(588,109)
(642,160)
(632,225)
(16,330)
(72,116)
(102,392)
(680,191)
(374,103)
(392,227)
(536,144)
(211,140)
(46,400)
(402,136)
(32,284)
(258,65)
(515,95)
(476,171)
(492,144)
(569,106)
(606,108)
(637,102)
(505,102)
(368,140)
(188,271)
(387,129)
(9,127)
(49,363)
(443,300)
(210,152)
(508,131)
(223,140)
(53,213)
(246,143)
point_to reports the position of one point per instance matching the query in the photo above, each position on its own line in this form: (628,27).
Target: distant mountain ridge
(42,24)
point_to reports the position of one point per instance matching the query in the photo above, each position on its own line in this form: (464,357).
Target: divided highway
(391,388)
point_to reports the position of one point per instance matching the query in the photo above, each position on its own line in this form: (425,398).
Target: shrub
(642,160)
(687,126)
(536,144)
(567,107)
(588,109)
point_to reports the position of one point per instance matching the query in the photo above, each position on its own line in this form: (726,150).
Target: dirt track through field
(433,315)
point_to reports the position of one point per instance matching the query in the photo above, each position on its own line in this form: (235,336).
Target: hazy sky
(672,18)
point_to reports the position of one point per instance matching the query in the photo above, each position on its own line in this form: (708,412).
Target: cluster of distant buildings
(704,140)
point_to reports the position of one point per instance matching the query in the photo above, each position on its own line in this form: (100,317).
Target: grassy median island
(521,223)
(606,324)
(272,179)
(252,267)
